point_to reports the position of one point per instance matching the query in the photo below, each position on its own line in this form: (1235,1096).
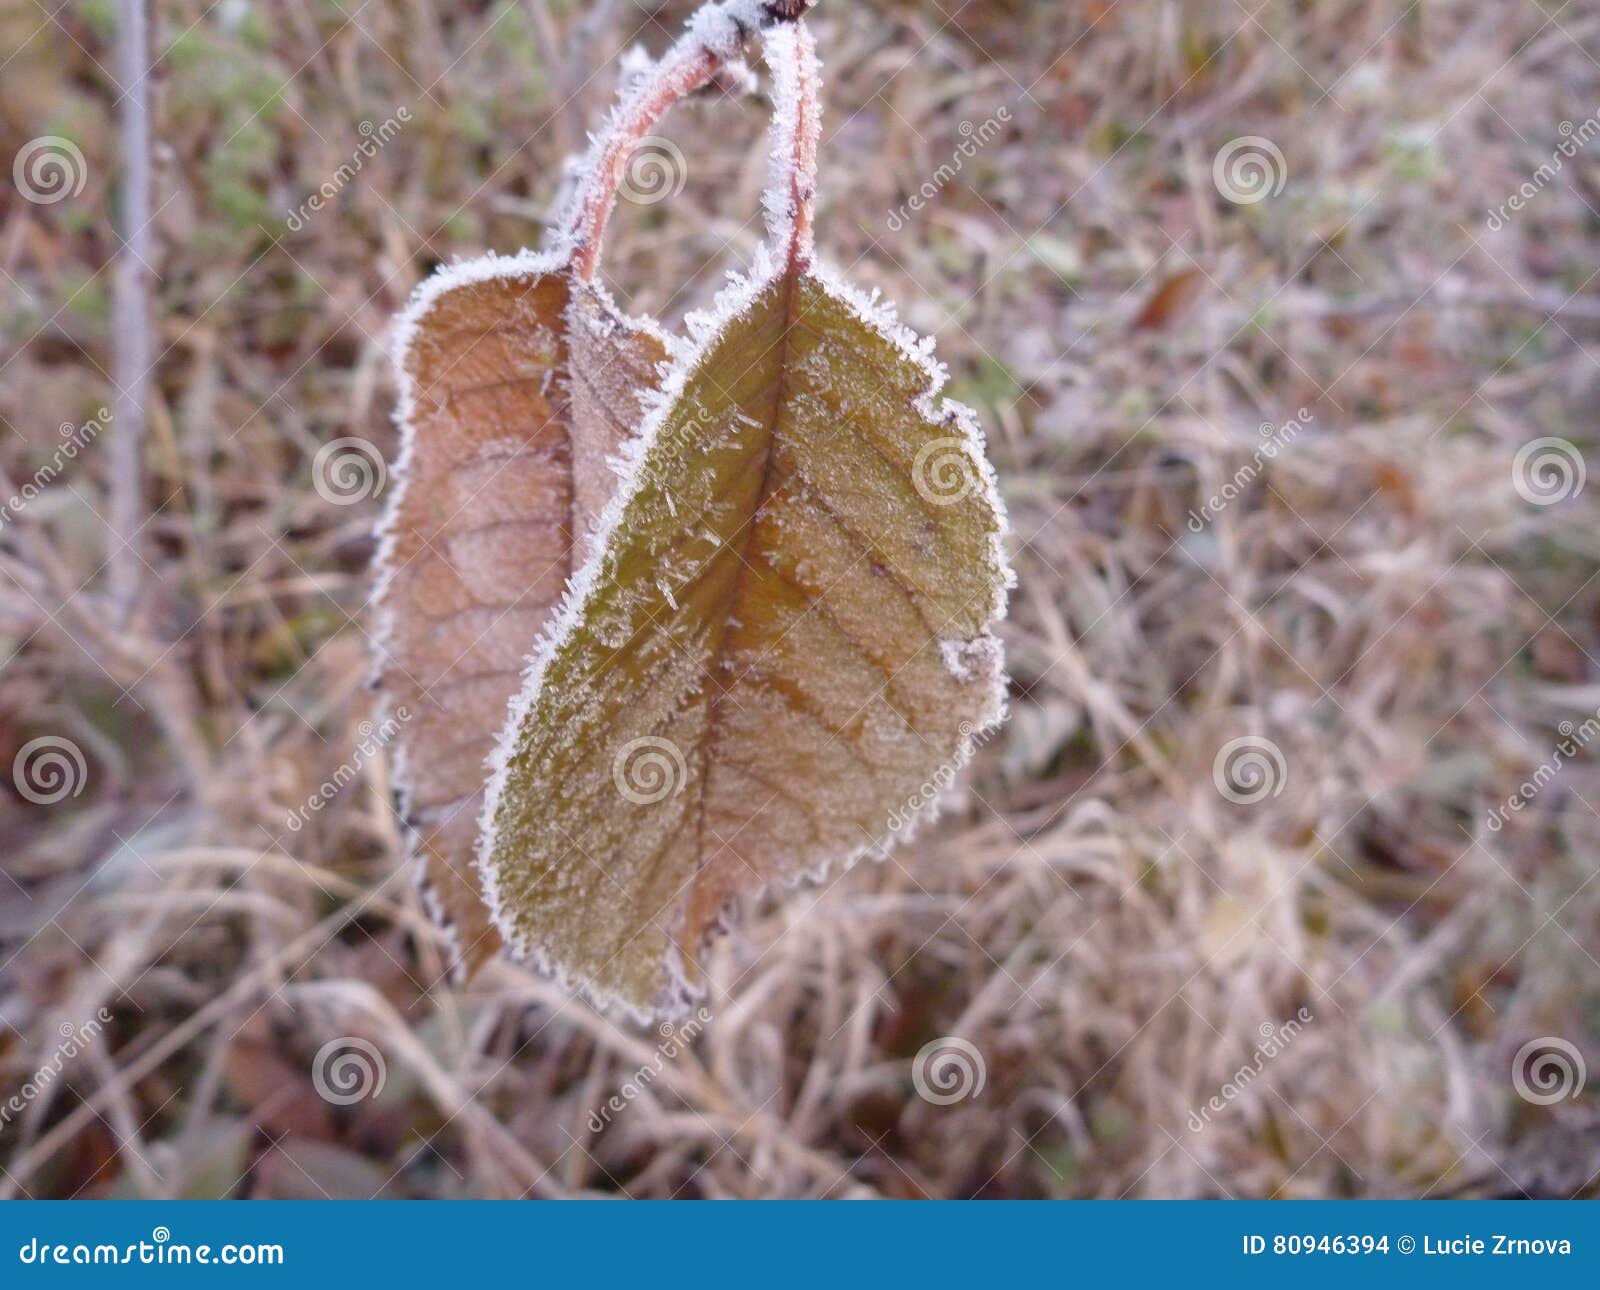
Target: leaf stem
(714,37)
(796,128)
(680,72)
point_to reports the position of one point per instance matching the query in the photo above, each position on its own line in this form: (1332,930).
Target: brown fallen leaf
(1175,294)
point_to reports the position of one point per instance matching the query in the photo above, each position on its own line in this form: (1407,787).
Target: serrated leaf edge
(444,279)
(706,330)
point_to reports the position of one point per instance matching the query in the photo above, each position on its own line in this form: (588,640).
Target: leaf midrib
(714,689)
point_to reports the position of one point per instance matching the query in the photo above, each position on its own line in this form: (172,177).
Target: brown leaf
(519,381)
(276,1093)
(504,460)
(1175,294)
(778,655)
(614,363)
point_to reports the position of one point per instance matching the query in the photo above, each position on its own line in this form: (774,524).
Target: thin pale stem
(131,302)
(714,39)
(687,66)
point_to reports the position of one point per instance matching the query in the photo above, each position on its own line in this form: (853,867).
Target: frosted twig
(714,39)
(796,126)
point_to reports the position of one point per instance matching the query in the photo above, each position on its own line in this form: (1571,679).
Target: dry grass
(1110,932)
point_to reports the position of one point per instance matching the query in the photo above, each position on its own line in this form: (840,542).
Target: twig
(714,38)
(133,341)
(796,128)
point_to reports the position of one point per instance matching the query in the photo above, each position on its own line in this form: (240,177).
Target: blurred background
(1284,324)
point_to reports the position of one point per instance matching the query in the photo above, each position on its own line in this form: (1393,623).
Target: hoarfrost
(967,660)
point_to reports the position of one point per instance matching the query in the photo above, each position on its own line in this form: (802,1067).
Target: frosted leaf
(516,385)
(520,381)
(615,365)
(779,608)
(775,646)
(966,660)
(777,654)
(484,475)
